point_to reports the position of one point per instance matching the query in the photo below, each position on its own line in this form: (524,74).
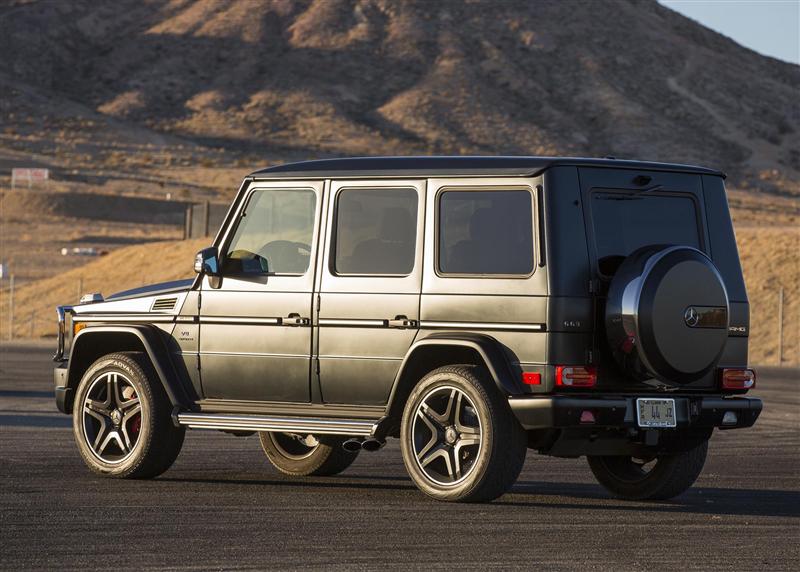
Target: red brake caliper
(136,423)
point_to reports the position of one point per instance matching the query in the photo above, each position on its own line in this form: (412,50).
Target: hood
(153,289)
(162,298)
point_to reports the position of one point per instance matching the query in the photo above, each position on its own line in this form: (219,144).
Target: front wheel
(653,478)
(459,439)
(301,455)
(122,419)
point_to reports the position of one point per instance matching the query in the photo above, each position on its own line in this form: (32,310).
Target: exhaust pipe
(352,445)
(372,444)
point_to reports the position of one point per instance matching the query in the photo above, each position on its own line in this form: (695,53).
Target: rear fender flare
(485,350)
(138,338)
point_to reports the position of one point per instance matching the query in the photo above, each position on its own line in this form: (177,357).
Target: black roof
(454,166)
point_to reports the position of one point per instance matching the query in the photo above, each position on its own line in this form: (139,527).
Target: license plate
(656,412)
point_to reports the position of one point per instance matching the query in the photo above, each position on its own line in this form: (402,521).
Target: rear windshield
(625,221)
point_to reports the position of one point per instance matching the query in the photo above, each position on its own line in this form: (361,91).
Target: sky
(769,27)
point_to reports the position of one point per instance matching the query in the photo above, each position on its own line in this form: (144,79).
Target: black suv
(473,307)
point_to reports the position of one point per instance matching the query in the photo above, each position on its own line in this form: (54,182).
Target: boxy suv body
(473,307)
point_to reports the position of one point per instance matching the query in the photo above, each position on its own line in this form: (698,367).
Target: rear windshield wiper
(631,196)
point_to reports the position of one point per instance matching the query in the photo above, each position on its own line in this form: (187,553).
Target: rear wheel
(122,419)
(459,439)
(306,455)
(652,478)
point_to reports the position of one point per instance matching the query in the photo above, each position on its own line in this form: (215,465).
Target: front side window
(486,232)
(624,222)
(274,234)
(376,231)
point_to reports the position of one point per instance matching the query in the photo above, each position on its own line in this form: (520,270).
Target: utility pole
(780,326)
(11,307)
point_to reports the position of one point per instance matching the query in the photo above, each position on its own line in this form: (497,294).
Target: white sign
(29,175)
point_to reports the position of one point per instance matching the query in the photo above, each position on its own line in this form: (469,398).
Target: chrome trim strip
(240,320)
(377,358)
(254,354)
(482,326)
(111,318)
(353,323)
(287,424)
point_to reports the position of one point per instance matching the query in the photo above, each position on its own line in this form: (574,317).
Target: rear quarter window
(486,233)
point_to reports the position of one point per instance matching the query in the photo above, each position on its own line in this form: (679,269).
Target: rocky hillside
(116,80)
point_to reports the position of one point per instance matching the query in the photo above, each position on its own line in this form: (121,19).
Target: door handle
(401,322)
(294,319)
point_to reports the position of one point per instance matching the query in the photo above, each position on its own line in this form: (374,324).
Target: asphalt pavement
(223,507)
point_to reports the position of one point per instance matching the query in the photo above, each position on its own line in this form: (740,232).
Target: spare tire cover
(667,314)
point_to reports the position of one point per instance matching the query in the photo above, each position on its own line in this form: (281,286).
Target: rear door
(369,287)
(625,210)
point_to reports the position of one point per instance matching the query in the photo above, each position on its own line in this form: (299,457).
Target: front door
(370,287)
(255,328)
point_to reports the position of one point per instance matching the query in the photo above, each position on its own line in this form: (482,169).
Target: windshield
(624,222)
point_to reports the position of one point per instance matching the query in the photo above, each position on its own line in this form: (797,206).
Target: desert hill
(283,79)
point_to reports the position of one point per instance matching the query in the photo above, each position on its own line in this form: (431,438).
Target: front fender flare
(151,343)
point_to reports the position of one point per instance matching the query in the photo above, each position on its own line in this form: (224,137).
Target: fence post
(33,321)
(780,326)
(11,307)
(80,290)
(206,216)
(187,223)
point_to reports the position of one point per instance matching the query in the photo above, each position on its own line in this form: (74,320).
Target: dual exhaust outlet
(354,445)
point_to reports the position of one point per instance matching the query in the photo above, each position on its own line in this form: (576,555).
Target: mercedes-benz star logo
(691,317)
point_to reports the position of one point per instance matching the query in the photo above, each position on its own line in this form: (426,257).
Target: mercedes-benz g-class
(473,307)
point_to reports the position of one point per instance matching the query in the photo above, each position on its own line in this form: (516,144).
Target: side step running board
(362,428)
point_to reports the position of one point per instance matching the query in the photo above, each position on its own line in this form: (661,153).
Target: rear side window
(376,231)
(624,222)
(486,232)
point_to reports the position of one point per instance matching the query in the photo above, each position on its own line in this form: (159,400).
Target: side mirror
(207,261)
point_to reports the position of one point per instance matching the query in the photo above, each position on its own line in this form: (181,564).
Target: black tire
(670,475)
(122,420)
(483,443)
(306,455)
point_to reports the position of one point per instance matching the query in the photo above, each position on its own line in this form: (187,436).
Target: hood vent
(164,304)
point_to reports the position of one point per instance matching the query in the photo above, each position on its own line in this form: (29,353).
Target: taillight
(738,378)
(576,376)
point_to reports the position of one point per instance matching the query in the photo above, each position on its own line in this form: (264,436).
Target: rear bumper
(561,411)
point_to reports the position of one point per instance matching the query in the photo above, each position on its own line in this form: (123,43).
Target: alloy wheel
(112,417)
(295,446)
(446,435)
